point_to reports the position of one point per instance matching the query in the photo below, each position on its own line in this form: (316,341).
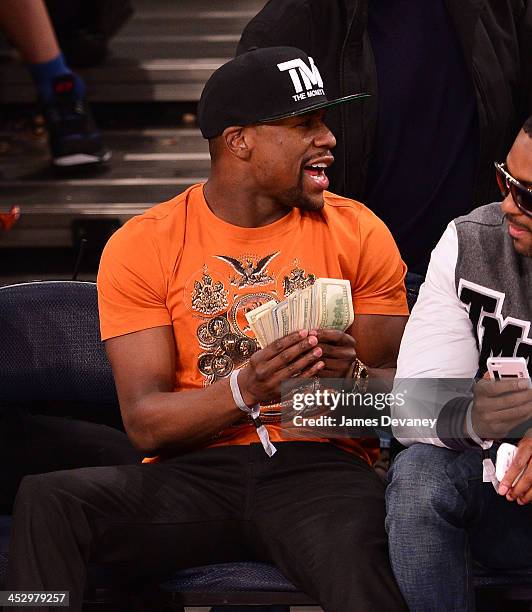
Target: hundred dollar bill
(334,305)
(305,308)
(282,317)
(256,327)
(327,304)
(293,303)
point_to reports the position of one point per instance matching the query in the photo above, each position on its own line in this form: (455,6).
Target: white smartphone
(505,456)
(505,368)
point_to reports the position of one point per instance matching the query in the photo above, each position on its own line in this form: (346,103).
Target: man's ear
(236,141)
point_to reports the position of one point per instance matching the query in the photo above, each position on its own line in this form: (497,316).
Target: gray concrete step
(148,167)
(164,53)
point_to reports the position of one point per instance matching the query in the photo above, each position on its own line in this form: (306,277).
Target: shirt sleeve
(379,283)
(438,357)
(132,286)
(438,341)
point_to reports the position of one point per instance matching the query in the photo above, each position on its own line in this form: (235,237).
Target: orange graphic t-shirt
(178,264)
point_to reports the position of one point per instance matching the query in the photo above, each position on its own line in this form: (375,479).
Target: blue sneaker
(72,134)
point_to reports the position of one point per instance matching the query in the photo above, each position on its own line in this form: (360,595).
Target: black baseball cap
(260,86)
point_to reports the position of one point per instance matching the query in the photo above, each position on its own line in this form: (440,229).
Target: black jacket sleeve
(451,423)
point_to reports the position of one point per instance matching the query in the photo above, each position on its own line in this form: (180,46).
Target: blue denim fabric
(441,516)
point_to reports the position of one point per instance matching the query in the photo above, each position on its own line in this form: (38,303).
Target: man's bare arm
(374,339)
(161,421)
(377,340)
(157,419)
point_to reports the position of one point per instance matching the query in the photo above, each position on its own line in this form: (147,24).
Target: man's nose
(509,207)
(325,138)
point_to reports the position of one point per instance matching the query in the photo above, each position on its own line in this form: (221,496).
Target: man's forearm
(165,422)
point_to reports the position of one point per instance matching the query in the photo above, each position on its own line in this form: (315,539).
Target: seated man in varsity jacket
(476,303)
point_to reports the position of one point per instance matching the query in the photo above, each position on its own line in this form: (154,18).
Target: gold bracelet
(360,376)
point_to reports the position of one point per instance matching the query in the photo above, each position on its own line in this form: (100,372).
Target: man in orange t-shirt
(174,286)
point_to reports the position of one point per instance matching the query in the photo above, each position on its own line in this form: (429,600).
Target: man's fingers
(509,418)
(281,344)
(312,370)
(284,361)
(508,401)
(341,353)
(497,422)
(297,366)
(334,366)
(522,486)
(294,342)
(525,499)
(334,336)
(519,413)
(521,460)
(495,388)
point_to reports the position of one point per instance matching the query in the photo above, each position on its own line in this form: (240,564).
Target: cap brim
(315,107)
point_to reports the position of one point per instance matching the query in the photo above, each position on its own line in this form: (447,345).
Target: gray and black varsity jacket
(476,303)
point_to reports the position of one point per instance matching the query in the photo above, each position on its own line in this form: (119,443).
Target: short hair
(527,127)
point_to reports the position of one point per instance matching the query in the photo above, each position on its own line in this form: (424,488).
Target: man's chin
(523,247)
(314,203)
(302,199)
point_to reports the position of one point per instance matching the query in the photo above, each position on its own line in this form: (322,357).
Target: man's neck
(232,202)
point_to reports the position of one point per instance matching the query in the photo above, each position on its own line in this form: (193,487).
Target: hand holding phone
(508,368)
(504,402)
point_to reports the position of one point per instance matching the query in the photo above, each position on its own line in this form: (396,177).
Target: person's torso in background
(425,153)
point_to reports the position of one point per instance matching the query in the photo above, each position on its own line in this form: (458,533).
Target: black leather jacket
(496,38)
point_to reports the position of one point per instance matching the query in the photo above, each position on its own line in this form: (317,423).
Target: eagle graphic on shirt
(251,273)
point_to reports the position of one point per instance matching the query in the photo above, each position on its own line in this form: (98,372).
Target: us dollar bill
(334,305)
(327,304)
(258,328)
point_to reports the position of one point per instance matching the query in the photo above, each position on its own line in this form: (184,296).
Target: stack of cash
(326,304)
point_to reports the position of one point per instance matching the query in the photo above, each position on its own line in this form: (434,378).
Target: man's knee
(58,489)
(40,489)
(419,482)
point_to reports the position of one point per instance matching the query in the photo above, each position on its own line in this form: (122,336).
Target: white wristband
(488,469)
(485,444)
(237,395)
(253,411)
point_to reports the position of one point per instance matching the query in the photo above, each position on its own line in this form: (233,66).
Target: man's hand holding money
(297,354)
(338,352)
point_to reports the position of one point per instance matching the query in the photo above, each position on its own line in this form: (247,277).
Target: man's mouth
(516,230)
(316,172)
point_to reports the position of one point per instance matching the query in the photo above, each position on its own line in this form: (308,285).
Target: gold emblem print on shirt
(251,271)
(209,296)
(226,341)
(297,279)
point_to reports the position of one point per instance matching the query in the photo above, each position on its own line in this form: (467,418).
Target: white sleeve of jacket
(438,342)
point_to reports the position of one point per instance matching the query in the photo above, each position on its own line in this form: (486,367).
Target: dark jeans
(441,516)
(315,511)
(35,443)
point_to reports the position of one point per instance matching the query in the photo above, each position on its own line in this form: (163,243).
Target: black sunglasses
(521,195)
